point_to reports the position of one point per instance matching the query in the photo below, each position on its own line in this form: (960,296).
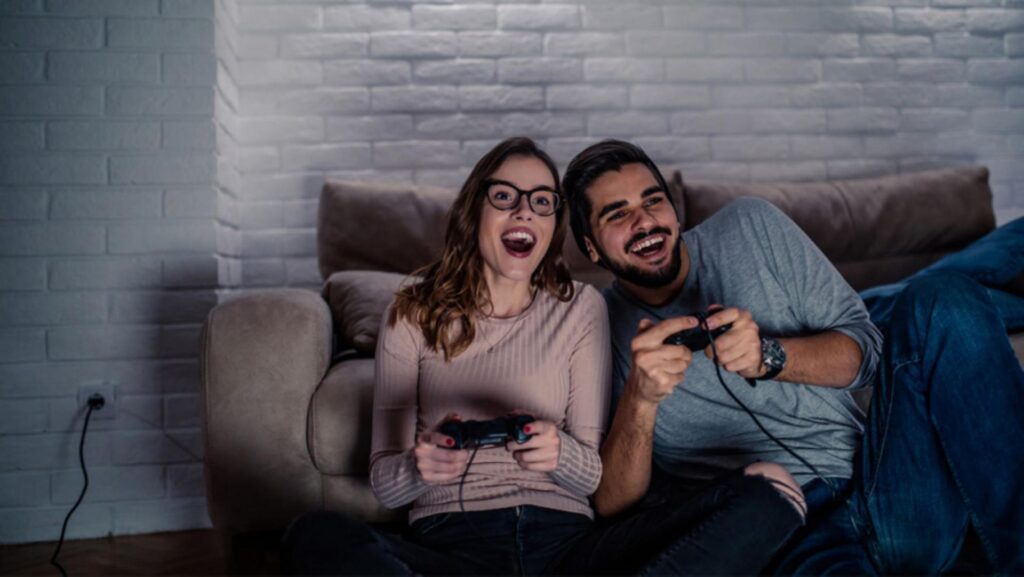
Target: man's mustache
(642,235)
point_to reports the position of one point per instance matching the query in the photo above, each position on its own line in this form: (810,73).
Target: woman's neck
(508,298)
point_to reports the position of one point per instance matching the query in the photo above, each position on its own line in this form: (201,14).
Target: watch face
(773,355)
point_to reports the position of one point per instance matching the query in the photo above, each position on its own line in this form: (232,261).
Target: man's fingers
(655,335)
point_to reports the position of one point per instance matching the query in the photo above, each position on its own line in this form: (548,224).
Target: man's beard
(648,279)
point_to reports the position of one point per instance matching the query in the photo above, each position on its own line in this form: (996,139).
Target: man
(894,495)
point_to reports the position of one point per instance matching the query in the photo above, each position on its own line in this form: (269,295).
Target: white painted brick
(500,44)
(273,18)
(415,154)
(1007,120)
(122,342)
(460,71)
(428,17)
(863,119)
(162,307)
(669,96)
(325,156)
(788,171)
(276,129)
(21,274)
(900,94)
(21,136)
(113,67)
(22,168)
(859,70)
(51,100)
(53,308)
(715,170)
(826,147)
(260,215)
(51,240)
(22,7)
(619,16)
(324,45)
(376,127)
(104,204)
(187,8)
(857,19)
(25,67)
(896,45)
(279,243)
(257,47)
(926,20)
(263,272)
(844,169)
(985,71)
(584,44)
(21,416)
(43,524)
(103,7)
(816,44)
(67,33)
(584,97)
(456,127)
(1015,96)
(109,484)
(934,119)
(783,18)
(963,45)
(628,123)
(279,72)
(704,70)
(930,70)
(414,99)
(154,447)
(132,412)
(24,489)
(752,96)
(146,101)
(623,69)
(747,44)
(188,203)
(1014,45)
(367,17)
(711,122)
(103,135)
(448,178)
(194,35)
(35,452)
(967,3)
(185,481)
(773,121)
(99,274)
(783,70)
(160,516)
(750,147)
(300,213)
(710,17)
(188,134)
(280,186)
(305,272)
(994,21)
(897,145)
(168,168)
(665,43)
(562,150)
(189,69)
(189,272)
(152,238)
(366,72)
(414,44)
(827,95)
(540,17)
(20,204)
(539,70)
(674,148)
(543,124)
(312,101)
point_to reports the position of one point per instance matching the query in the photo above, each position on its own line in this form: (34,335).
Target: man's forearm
(829,359)
(626,456)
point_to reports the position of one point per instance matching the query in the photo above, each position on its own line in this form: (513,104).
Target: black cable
(85,474)
(462,483)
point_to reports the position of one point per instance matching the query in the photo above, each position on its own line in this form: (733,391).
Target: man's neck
(659,296)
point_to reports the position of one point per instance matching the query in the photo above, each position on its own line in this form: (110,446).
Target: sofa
(287,374)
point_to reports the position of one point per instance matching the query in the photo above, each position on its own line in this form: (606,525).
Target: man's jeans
(944,445)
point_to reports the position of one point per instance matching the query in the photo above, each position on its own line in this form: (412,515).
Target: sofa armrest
(263,356)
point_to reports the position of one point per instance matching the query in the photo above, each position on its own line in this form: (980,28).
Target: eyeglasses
(505,196)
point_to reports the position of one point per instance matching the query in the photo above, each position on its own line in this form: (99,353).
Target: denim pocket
(427,524)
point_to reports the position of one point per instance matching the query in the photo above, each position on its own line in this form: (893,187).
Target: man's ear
(591,251)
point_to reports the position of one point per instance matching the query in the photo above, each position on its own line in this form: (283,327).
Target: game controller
(697,339)
(493,433)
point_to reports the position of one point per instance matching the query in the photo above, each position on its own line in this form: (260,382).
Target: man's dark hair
(588,166)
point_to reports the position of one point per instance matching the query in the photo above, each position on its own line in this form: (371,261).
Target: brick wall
(107,263)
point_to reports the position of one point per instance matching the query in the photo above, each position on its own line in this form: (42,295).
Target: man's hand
(436,464)
(541,452)
(657,368)
(739,349)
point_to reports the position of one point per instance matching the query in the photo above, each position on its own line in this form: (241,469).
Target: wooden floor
(183,553)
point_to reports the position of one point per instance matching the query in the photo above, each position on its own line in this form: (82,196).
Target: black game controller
(696,339)
(493,433)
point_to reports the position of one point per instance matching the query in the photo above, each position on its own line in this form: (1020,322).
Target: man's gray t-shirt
(750,255)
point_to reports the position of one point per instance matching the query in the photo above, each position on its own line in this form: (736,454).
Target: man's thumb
(644,325)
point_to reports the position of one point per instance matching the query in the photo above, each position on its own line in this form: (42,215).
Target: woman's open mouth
(518,242)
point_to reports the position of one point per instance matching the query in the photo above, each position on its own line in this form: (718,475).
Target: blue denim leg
(945,438)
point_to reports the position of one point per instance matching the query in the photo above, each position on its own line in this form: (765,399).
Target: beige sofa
(288,374)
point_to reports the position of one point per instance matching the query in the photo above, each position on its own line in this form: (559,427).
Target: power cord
(96,402)
(462,483)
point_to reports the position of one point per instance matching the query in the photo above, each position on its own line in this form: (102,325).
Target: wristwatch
(773,357)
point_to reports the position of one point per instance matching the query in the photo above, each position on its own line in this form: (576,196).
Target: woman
(496,327)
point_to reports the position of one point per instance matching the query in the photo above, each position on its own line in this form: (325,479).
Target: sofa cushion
(340,417)
(357,300)
(874,230)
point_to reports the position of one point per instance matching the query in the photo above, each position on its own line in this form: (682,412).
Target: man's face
(635,228)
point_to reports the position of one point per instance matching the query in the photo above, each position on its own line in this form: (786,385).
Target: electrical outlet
(102,388)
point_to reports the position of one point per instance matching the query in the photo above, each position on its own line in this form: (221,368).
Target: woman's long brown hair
(453,290)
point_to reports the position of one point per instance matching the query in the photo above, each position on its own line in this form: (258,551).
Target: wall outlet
(86,390)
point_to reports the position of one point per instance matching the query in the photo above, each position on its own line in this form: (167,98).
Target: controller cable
(462,484)
(95,402)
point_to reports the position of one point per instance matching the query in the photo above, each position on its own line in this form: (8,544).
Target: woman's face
(513,242)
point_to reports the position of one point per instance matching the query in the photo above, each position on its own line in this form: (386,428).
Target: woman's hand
(541,452)
(435,463)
